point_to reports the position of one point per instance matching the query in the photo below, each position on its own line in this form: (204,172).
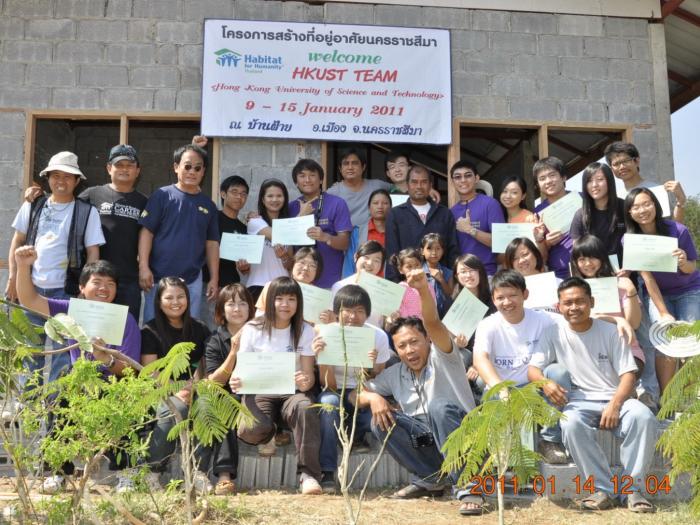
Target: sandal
(598,501)
(638,503)
(224,488)
(472,506)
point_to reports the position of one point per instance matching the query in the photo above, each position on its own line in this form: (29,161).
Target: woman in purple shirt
(677,293)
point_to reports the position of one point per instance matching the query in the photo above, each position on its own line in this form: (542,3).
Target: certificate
(614,262)
(104,320)
(397,199)
(269,373)
(504,232)
(558,215)
(235,246)
(316,300)
(386,296)
(606,295)
(662,196)
(542,290)
(292,232)
(464,314)
(359,340)
(649,253)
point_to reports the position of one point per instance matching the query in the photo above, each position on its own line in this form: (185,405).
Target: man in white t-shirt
(602,374)
(352,306)
(504,344)
(66,233)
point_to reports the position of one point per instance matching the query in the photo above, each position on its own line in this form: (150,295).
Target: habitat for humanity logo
(252,63)
(227,58)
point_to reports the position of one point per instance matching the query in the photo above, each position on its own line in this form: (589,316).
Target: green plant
(488,438)
(681,440)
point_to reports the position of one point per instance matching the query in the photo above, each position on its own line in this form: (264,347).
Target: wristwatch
(473,231)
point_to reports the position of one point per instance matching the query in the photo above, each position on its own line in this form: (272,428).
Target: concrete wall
(145,56)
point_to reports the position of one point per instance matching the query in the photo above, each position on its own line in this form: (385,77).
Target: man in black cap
(120,207)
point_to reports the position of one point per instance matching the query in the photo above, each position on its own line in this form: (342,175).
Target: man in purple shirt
(474,214)
(332,225)
(551,181)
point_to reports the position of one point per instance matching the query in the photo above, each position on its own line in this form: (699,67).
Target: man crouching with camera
(433,393)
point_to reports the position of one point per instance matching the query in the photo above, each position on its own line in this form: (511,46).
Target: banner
(326,82)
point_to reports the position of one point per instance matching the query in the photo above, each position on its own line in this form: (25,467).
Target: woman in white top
(273,201)
(282,329)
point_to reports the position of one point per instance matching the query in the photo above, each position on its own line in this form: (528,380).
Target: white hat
(485,186)
(63,161)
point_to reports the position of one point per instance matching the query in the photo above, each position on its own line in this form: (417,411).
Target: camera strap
(420,390)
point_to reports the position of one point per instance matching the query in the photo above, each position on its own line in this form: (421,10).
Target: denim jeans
(60,363)
(330,420)
(560,375)
(424,463)
(195,289)
(684,306)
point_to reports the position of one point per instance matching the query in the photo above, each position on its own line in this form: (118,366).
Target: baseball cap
(123,152)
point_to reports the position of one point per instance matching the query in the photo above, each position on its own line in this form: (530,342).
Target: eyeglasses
(463,176)
(467,271)
(622,162)
(189,167)
(307,265)
(235,193)
(644,206)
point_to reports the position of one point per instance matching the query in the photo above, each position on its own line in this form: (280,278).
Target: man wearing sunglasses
(180,232)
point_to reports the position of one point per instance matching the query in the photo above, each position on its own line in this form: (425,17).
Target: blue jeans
(424,463)
(330,420)
(648,381)
(560,375)
(60,363)
(195,289)
(684,306)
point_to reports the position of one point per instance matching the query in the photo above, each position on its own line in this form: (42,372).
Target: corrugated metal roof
(682,28)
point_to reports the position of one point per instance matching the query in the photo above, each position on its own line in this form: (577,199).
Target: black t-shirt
(153,343)
(217,349)
(600,227)
(227,269)
(119,215)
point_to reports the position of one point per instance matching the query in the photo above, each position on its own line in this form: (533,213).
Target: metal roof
(682,28)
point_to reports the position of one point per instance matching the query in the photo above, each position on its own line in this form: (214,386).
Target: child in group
(234,308)
(307,266)
(405,261)
(589,259)
(172,325)
(282,329)
(352,305)
(439,276)
(369,257)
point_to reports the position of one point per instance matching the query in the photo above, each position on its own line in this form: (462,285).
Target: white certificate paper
(650,253)
(269,373)
(542,290)
(662,196)
(386,296)
(606,295)
(292,232)
(236,246)
(398,199)
(359,340)
(464,314)
(504,232)
(104,320)
(316,300)
(558,215)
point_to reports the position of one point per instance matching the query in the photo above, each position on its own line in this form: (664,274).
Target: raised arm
(437,331)
(11,288)
(27,294)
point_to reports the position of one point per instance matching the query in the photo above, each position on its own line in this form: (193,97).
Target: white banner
(326,82)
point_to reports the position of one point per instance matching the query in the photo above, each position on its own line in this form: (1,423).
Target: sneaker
(268,449)
(124,483)
(152,480)
(647,400)
(52,484)
(309,485)
(328,483)
(552,453)
(201,483)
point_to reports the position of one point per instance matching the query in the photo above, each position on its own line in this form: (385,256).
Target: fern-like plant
(488,438)
(681,440)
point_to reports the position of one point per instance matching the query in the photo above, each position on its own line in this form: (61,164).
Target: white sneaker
(152,480)
(52,484)
(309,485)
(201,483)
(124,483)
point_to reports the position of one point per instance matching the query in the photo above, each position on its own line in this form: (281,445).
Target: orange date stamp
(540,485)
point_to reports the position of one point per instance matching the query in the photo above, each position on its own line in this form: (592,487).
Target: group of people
(110,243)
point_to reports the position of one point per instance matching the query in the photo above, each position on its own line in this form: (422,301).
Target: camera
(423,440)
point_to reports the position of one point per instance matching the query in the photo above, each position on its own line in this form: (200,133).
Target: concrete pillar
(664,160)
